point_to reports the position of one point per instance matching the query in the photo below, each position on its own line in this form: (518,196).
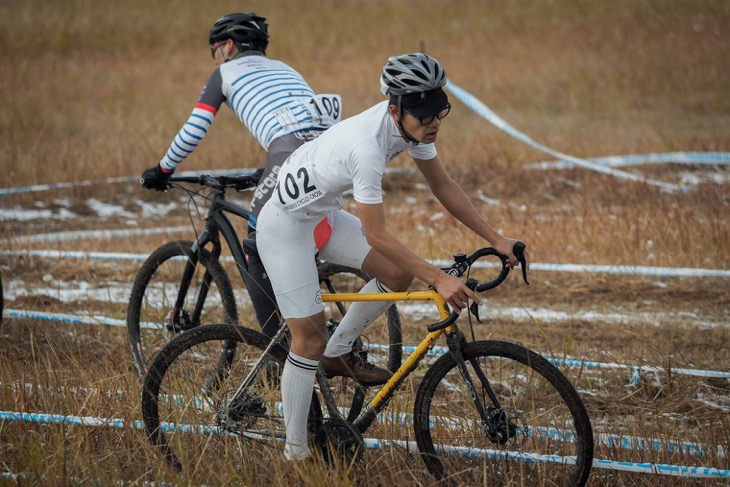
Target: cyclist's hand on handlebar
(156,178)
(455,292)
(506,247)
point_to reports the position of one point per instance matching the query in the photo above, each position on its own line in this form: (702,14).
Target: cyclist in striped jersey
(273,101)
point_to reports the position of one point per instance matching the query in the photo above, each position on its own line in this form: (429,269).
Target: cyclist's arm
(195,129)
(452,196)
(452,289)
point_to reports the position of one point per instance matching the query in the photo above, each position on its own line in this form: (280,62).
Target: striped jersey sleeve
(197,125)
(189,136)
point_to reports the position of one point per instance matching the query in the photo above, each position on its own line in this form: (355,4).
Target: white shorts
(287,249)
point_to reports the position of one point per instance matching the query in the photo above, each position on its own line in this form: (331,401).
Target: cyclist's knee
(393,277)
(309,336)
(397,280)
(397,283)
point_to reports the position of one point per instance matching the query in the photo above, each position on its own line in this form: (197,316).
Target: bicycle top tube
(461,265)
(435,330)
(220,184)
(430,295)
(220,204)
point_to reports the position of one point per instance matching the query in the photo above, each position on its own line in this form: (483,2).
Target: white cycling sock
(357,318)
(297,384)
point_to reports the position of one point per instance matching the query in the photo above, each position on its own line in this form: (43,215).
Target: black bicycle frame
(216,223)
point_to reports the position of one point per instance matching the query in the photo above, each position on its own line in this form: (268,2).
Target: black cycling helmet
(246,29)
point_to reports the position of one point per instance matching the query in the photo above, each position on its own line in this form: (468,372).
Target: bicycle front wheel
(536,431)
(190,410)
(152,319)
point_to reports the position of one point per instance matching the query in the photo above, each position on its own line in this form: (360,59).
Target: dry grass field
(96,90)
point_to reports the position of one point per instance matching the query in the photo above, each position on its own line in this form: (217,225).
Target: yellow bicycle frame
(409,364)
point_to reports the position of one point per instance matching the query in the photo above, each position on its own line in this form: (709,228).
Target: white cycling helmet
(411,73)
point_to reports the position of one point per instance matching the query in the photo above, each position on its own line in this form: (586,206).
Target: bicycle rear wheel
(151,318)
(541,431)
(188,409)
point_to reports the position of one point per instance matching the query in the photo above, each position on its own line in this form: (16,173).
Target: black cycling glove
(155,178)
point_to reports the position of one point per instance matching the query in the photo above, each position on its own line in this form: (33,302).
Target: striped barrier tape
(611,440)
(135,179)
(124,179)
(74,236)
(535,266)
(486,113)
(586,364)
(698,158)
(376,444)
(604,165)
(435,351)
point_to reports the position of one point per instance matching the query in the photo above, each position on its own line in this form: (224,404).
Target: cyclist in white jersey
(273,101)
(305,216)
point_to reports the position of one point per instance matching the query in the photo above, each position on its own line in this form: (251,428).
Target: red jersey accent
(206,107)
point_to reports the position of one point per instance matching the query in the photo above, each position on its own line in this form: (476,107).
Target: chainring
(338,439)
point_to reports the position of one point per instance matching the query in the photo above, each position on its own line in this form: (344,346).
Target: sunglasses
(216,46)
(428,120)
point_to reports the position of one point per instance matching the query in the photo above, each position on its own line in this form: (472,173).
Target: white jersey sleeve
(367,178)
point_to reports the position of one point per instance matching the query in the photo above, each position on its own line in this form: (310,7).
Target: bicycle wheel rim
(186,397)
(551,441)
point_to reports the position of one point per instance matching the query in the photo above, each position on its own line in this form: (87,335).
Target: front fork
(181,319)
(493,417)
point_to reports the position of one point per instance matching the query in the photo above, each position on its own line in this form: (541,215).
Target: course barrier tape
(74,236)
(612,440)
(21,478)
(124,179)
(586,364)
(603,165)
(408,349)
(135,179)
(535,266)
(375,444)
(489,115)
(64,318)
(697,158)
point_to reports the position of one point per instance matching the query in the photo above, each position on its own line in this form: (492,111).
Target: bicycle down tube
(389,389)
(216,223)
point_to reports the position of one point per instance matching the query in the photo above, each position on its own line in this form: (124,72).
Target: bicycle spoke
(200,423)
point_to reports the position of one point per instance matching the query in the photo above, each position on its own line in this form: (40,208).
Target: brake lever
(471,283)
(519,251)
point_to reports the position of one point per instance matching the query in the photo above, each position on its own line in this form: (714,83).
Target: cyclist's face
(221,51)
(424,133)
